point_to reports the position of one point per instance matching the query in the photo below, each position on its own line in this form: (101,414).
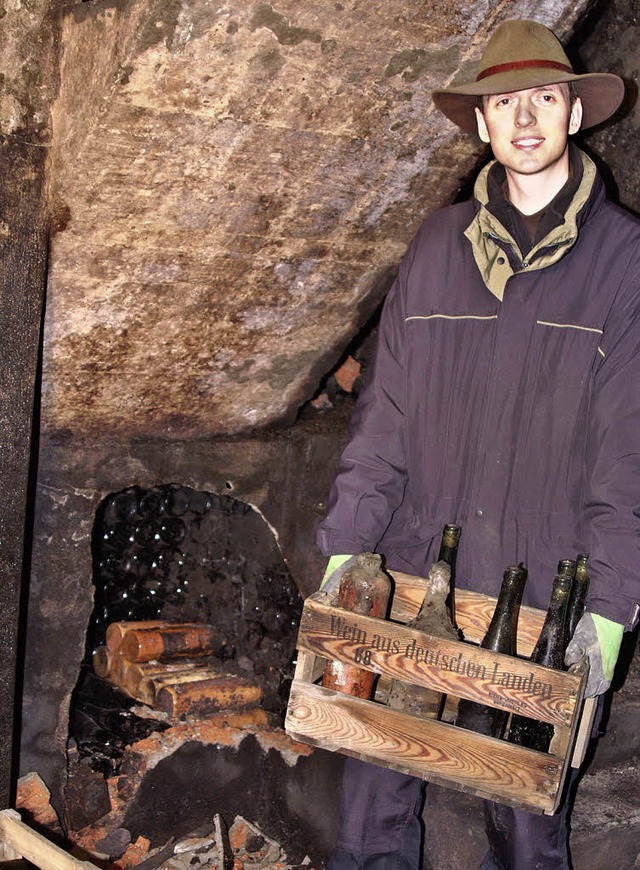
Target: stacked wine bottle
(175,553)
(141,544)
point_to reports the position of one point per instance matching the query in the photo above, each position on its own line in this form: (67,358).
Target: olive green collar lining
(489,239)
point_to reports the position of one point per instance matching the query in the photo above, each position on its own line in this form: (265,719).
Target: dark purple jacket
(507,401)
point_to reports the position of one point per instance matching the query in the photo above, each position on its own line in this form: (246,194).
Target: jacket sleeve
(371,474)
(611,503)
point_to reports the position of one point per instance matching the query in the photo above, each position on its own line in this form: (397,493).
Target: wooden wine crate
(438,751)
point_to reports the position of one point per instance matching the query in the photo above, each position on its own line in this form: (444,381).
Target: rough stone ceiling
(235,183)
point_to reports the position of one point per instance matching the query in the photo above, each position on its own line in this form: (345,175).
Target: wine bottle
(364,589)
(433,618)
(176,501)
(165,643)
(200,501)
(117,537)
(147,533)
(578,596)
(500,637)
(449,553)
(151,505)
(172,531)
(548,651)
(126,503)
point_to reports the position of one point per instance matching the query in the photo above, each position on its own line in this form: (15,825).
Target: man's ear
(483,133)
(575,118)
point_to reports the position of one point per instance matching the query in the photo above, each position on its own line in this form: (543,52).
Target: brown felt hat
(526,54)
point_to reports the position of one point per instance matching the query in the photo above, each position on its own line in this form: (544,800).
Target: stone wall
(611,44)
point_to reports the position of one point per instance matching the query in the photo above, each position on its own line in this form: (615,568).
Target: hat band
(522,64)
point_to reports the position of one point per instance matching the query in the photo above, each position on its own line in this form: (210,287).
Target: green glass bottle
(548,651)
(578,597)
(449,553)
(500,637)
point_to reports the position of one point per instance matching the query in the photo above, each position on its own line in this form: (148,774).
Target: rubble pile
(215,846)
(242,846)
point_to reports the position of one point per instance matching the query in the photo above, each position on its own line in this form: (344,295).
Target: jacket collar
(495,250)
(546,219)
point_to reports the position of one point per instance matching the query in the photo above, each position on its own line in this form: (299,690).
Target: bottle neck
(582,575)
(567,568)
(500,636)
(578,596)
(550,647)
(449,546)
(448,553)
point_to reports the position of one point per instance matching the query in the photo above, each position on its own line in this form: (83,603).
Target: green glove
(336,566)
(598,640)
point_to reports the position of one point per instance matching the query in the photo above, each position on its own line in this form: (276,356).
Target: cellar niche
(175,555)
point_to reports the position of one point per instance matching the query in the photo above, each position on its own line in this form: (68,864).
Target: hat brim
(601,94)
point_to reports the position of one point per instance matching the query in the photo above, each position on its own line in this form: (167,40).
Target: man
(505,397)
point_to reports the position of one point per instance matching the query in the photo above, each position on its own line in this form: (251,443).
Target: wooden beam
(24,842)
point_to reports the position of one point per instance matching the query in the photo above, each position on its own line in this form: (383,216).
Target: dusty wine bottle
(176,501)
(548,651)
(433,618)
(500,637)
(449,553)
(578,596)
(166,643)
(127,502)
(117,537)
(151,505)
(172,531)
(364,589)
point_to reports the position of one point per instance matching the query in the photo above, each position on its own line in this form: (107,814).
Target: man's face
(528,129)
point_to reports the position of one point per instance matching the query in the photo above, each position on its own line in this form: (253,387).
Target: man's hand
(336,567)
(598,640)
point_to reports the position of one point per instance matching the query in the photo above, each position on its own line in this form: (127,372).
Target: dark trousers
(380,819)
(381,827)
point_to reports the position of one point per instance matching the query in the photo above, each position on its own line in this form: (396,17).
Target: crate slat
(473,611)
(433,750)
(308,667)
(451,667)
